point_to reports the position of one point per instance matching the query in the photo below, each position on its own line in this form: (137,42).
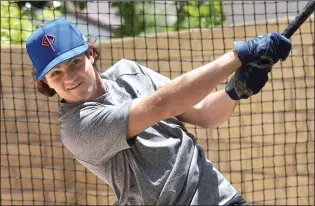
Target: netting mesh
(266,148)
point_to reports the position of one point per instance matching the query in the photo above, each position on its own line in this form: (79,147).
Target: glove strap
(232,93)
(242,51)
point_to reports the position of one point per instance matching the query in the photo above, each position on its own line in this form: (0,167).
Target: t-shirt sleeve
(97,132)
(156,78)
(131,74)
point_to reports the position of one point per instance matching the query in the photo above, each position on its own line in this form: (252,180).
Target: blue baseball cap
(53,43)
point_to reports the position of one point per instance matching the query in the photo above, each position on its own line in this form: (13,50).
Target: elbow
(204,124)
(207,126)
(166,109)
(210,124)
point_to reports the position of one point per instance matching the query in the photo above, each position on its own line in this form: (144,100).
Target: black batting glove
(273,46)
(249,79)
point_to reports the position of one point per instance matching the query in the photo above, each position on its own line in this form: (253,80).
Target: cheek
(58,88)
(56,85)
(89,71)
(50,83)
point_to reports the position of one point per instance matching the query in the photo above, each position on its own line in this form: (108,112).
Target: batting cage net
(266,148)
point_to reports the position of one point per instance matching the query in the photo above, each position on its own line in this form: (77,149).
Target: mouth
(71,88)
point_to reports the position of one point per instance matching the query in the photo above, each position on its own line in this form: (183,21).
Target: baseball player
(126,125)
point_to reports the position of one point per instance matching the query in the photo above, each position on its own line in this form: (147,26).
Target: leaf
(205,10)
(16,22)
(80,4)
(47,14)
(137,18)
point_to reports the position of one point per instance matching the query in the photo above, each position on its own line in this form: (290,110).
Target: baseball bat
(299,19)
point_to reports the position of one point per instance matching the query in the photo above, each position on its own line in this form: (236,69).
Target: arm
(187,90)
(212,111)
(181,93)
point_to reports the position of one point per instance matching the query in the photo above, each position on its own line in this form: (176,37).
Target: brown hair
(43,87)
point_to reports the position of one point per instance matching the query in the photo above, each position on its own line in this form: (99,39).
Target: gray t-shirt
(163,165)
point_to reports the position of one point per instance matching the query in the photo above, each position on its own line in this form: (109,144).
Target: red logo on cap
(48,40)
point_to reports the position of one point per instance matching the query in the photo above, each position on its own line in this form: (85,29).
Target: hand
(270,46)
(249,79)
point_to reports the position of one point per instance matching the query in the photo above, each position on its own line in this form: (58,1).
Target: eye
(55,73)
(75,61)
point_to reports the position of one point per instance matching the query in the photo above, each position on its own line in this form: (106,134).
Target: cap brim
(61,58)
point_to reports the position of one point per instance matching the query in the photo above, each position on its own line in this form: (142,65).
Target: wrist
(232,93)
(242,51)
(236,58)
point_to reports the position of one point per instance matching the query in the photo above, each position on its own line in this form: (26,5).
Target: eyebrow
(66,62)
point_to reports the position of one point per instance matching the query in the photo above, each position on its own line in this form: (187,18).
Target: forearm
(216,108)
(182,95)
(188,89)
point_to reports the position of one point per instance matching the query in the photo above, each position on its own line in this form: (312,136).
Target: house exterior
(101,19)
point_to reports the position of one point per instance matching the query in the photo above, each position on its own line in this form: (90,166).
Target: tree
(19,19)
(15,24)
(152,17)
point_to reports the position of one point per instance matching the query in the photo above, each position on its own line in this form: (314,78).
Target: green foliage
(150,17)
(137,18)
(204,14)
(48,14)
(18,22)
(78,6)
(15,25)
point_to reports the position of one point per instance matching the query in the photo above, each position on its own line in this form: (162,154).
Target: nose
(69,76)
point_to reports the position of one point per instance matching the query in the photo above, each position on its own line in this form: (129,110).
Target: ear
(91,54)
(46,82)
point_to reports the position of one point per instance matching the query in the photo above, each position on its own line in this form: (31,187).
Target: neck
(100,86)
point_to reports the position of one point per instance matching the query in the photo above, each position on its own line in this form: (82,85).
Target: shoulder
(95,130)
(134,78)
(73,121)
(80,123)
(121,68)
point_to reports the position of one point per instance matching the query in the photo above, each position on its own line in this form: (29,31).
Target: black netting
(266,148)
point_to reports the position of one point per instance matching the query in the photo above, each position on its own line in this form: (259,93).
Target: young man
(126,124)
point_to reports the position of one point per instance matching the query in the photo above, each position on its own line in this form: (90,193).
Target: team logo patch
(48,40)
